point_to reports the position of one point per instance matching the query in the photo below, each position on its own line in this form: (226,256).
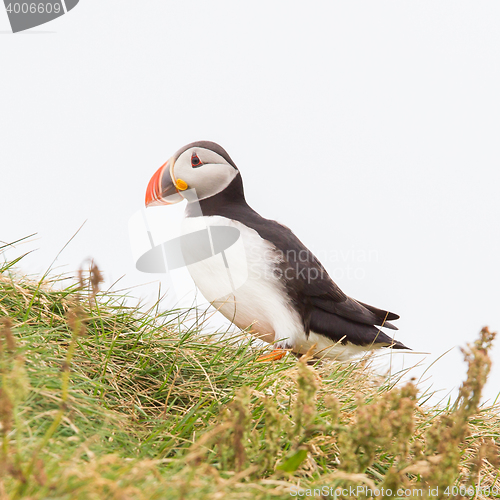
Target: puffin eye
(195,161)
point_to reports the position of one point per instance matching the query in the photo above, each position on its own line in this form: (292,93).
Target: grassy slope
(98,400)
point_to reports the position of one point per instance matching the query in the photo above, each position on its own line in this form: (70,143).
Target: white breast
(241,284)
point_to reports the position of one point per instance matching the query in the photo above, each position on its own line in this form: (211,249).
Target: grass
(100,400)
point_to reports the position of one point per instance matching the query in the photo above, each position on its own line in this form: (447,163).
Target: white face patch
(211,175)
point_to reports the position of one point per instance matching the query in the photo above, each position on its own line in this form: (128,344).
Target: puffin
(270,284)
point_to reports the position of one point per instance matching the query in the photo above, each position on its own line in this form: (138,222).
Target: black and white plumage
(285,295)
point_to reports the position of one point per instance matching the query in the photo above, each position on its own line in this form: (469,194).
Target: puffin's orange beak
(161,189)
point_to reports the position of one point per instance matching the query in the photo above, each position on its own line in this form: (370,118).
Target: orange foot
(272,356)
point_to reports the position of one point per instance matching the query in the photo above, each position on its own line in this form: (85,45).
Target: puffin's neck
(221,203)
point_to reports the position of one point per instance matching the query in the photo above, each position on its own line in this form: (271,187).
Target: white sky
(369,128)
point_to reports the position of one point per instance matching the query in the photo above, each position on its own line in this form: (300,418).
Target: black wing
(325,309)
